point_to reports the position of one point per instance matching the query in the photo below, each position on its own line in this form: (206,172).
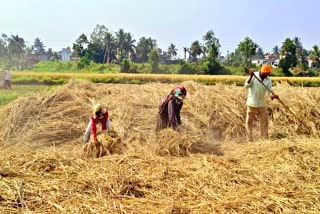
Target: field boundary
(62,78)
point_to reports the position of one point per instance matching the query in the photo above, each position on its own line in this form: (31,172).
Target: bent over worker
(170,107)
(99,115)
(256,105)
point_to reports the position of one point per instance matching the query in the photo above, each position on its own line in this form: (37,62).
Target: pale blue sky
(58,23)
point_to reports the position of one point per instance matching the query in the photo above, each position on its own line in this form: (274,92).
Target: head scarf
(266,69)
(178,94)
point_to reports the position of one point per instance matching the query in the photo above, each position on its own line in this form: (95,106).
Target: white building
(258,62)
(65,55)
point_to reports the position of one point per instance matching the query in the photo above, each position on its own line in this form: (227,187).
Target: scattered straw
(42,169)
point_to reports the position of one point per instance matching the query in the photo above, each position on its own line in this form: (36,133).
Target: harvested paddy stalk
(42,169)
(107,144)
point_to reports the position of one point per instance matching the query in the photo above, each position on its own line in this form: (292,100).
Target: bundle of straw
(107,144)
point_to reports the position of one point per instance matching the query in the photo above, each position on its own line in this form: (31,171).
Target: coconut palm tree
(195,50)
(129,44)
(276,50)
(110,45)
(38,46)
(185,50)
(172,50)
(16,47)
(3,45)
(314,54)
(121,37)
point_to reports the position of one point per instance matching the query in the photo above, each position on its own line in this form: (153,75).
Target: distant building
(65,55)
(271,58)
(221,59)
(313,63)
(74,59)
(258,62)
(38,57)
(32,59)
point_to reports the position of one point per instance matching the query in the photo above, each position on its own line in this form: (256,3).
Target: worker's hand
(251,73)
(274,96)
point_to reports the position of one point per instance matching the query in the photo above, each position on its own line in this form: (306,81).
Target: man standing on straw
(99,115)
(170,107)
(256,105)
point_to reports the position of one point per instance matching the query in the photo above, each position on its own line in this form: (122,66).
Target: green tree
(289,58)
(260,53)
(28,50)
(16,47)
(79,47)
(213,62)
(98,34)
(314,54)
(154,60)
(83,63)
(210,39)
(164,56)
(38,46)
(96,47)
(172,50)
(3,46)
(125,66)
(276,50)
(300,53)
(110,47)
(185,51)
(129,44)
(205,51)
(121,39)
(195,50)
(299,49)
(144,47)
(95,52)
(248,49)
(234,58)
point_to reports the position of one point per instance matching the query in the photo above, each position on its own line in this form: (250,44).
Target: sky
(58,23)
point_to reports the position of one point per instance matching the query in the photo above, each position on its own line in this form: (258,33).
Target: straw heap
(43,170)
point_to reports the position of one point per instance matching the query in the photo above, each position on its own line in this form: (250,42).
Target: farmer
(99,115)
(7,78)
(256,105)
(170,107)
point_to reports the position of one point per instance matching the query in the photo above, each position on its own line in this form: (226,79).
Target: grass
(71,67)
(7,96)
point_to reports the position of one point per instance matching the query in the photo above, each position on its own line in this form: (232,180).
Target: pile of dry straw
(42,167)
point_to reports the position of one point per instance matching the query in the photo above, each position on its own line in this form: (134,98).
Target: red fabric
(94,123)
(169,97)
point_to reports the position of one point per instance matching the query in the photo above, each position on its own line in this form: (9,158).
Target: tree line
(105,46)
